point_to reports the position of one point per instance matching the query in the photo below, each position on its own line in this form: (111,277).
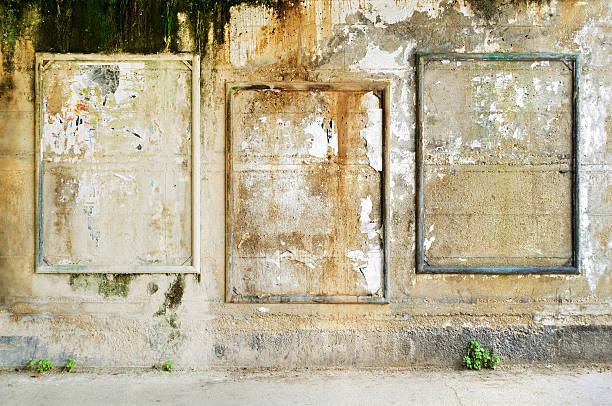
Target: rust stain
(336,178)
(55,96)
(16,317)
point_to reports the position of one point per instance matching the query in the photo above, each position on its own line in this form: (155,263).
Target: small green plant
(31,365)
(478,357)
(42,365)
(70,364)
(169,366)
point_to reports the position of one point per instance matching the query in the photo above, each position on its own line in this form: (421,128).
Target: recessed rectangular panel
(115,168)
(497,163)
(306,191)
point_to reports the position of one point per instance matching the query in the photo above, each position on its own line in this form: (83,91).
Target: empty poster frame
(423,265)
(43,61)
(383,89)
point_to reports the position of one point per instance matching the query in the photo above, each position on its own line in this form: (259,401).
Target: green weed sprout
(478,357)
(70,364)
(31,365)
(42,365)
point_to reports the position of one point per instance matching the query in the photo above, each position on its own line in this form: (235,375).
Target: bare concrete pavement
(505,386)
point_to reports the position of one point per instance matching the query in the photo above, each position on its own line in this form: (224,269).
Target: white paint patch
(378,60)
(127,178)
(262,309)
(554,86)
(383,12)
(372,132)
(401,128)
(370,266)
(596,97)
(402,166)
(247,23)
(536,84)
(89,191)
(520,97)
(428,242)
(455,150)
(367,227)
(322,138)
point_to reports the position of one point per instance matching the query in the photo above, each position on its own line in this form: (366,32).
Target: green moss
(136,26)
(119,285)
(152,288)
(106,285)
(213,15)
(173,296)
(12,20)
(101,26)
(485,9)
(489,9)
(82,281)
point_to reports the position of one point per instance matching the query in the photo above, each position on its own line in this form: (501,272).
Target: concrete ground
(505,386)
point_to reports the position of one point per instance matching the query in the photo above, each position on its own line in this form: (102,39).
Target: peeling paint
(379,60)
(323,139)
(371,132)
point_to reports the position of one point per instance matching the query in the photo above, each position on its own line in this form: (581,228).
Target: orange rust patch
(297,206)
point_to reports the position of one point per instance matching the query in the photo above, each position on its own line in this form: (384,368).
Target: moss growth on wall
(106,285)
(489,9)
(118,285)
(137,26)
(207,15)
(173,296)
(152,288)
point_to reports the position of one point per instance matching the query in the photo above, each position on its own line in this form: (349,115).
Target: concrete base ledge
(410,347)
(424,346)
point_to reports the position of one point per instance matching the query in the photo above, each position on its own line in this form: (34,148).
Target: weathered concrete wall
(137,320)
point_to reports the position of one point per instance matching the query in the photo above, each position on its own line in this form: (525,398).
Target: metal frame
(382,89)
(572,62)
(43,60)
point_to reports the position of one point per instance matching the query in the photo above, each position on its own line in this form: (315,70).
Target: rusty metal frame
(44,60)
(572,266)
(382,88)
